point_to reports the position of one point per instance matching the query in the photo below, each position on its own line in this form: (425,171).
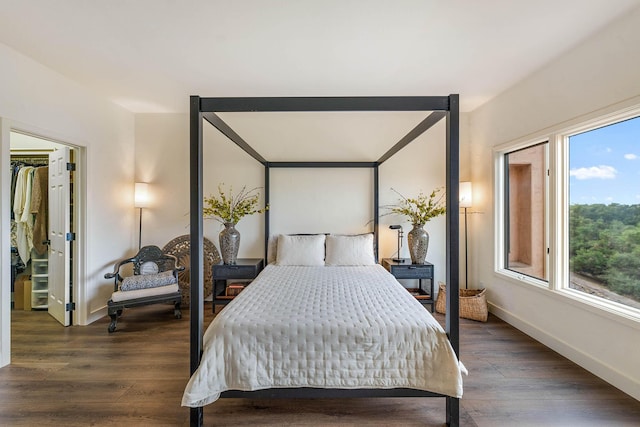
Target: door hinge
(71,166)
(70,306)
(71,237)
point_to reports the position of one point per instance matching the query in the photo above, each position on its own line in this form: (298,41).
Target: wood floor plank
(81,414)
(551,413)
(376,412)
(81,376)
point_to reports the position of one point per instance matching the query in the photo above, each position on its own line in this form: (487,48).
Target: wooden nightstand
(406,270)
(244,270)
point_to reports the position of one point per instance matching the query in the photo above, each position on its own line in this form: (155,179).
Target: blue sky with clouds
(605,165)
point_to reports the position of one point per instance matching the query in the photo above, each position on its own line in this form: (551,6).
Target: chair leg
(114,311)
(112,324)
(176,311)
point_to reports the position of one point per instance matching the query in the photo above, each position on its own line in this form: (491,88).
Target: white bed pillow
(350,250)
(300,250)
(272,249)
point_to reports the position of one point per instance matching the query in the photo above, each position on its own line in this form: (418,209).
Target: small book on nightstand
(418,293)
(234,289)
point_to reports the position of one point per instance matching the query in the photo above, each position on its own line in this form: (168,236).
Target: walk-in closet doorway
(44,220)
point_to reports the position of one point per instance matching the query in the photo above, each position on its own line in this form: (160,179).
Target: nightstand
(405,270)
(245,269)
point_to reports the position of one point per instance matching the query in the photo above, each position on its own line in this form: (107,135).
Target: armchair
(154,280)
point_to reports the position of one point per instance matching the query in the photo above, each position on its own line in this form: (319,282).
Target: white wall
(600,72)
(42,102)
(162,160)
(307,200)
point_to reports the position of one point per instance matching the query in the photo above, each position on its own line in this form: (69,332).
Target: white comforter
(324,327)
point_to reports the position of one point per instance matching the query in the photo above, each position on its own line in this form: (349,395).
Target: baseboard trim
(97,314)
(596,367)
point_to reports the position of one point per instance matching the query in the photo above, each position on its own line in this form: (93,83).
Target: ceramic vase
(418,240)
(229,243)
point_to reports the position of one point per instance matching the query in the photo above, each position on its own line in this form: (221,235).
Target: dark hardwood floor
(83,376)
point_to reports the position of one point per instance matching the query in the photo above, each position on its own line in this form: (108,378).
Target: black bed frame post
(267,223)
(453,243)
(197,262)
(376,208)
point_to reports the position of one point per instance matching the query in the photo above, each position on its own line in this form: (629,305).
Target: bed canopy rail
(328,103)
(446,107)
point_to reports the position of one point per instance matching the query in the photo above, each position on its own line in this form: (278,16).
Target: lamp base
(398,260)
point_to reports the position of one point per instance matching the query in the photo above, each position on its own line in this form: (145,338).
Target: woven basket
(473,303)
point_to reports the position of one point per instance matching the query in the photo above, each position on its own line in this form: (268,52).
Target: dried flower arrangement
(229,208)
(421,209)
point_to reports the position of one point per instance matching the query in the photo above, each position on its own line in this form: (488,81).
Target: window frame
(500,219)
(507,213)
(556,211)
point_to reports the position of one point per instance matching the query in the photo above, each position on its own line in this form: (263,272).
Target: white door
(59,226)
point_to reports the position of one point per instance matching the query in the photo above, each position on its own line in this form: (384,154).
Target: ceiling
(150,55)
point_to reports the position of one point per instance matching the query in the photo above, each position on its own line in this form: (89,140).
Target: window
(604,212)
(525,210)
(570,210)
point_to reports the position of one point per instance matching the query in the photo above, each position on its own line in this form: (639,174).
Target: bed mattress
(324,327)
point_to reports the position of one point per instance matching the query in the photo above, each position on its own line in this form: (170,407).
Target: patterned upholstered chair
(154,280)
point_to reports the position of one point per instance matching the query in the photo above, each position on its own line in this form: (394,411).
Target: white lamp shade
(466,195)
(141,198)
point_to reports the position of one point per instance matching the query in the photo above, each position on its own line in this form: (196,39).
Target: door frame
(78,267)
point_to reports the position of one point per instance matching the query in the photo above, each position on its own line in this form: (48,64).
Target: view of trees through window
(604,212)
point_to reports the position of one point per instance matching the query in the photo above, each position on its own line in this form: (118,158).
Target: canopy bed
(306,383)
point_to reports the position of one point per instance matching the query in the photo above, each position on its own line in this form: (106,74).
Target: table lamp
(400,233)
